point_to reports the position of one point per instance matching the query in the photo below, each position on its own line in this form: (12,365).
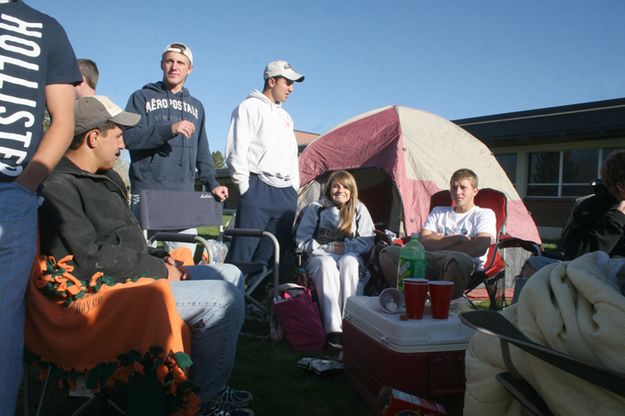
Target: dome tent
(400,156)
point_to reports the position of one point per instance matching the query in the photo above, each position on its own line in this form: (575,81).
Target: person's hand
(621,206)
(339,247)
(184,127)
(175,271)
(334,247)
(220,192)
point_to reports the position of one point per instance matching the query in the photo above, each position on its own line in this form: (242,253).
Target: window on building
(543,174)
(579,169)
(565,174)
(508,163)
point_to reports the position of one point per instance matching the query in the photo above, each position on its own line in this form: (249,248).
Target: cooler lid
(413,335)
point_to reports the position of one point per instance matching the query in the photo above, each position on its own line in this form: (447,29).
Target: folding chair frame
(26,394)
(494,324)
(242,232)
(175,210)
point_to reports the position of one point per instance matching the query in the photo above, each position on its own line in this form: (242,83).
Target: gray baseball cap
(281,69)
(93,111)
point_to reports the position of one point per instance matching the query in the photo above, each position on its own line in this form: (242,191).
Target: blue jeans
(212,305)
(18,239)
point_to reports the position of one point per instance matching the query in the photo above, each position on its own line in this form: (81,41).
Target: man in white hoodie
(261,153)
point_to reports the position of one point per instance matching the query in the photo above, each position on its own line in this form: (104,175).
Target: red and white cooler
(421,357)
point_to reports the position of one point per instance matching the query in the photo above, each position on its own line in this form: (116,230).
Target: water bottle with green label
(411,261)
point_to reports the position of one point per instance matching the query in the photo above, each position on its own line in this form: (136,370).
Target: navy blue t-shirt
(34,53)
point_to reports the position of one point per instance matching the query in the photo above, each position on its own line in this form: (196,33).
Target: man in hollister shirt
(39,69)
(169,144)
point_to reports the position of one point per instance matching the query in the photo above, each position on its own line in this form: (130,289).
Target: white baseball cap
(282,69)
(179,47)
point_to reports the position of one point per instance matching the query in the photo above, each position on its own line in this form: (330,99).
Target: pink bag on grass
(299,318)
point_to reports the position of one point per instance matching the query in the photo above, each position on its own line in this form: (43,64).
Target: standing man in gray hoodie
(169,144)
(261,153)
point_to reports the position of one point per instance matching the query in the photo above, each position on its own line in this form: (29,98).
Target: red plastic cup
(415,291)
(440,298)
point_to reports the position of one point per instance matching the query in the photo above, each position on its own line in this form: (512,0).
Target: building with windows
(553,154)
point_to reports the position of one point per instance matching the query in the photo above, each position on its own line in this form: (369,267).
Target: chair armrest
(553,254)
(183,238)
(243,232)
(178,237)
(506,241)
(492,323)
(381,236)
(248,232)
(495,262)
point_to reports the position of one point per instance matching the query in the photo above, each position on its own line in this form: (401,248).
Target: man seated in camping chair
(455,238)
(86,215)
(597,223)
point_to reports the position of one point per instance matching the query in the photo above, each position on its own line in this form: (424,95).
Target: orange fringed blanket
(107,329)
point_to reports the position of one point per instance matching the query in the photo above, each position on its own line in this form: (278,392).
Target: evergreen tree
(218,160)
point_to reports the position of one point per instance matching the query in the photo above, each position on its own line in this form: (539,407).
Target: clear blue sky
(456,59)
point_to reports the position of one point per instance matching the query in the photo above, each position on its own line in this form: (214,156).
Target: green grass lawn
(550,244)
(268,369)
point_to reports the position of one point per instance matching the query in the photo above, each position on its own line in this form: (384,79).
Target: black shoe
(335,340)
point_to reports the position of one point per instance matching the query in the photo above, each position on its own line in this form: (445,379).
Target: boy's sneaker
(222,409)
(233,397)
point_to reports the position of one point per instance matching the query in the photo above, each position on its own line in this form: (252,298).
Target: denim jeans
(18,239)
(226,272)
(212,305)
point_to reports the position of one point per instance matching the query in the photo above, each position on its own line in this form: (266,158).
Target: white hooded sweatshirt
(261,141)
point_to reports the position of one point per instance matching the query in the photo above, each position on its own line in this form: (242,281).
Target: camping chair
(494,324)
(493,275)
(175,210)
